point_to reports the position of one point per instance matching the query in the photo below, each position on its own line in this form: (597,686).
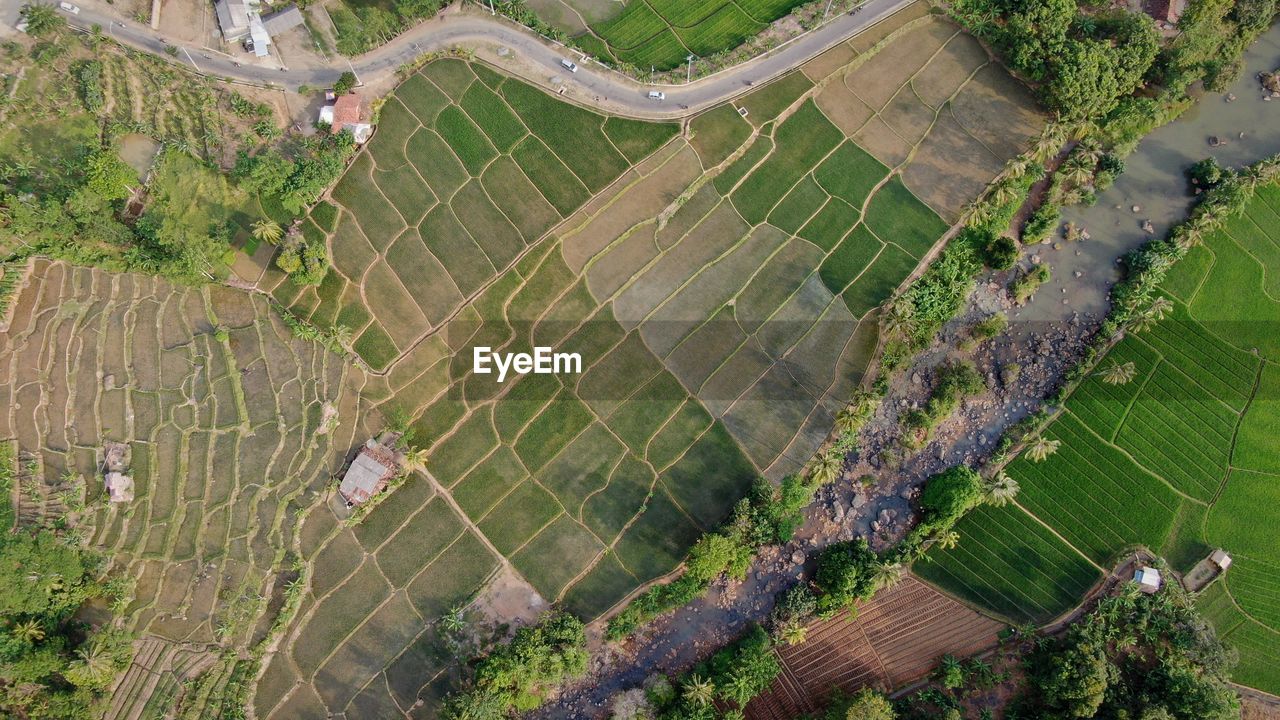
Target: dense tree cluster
(52,666)
(730,678)
(516,675)
(1084,63)
(1134,656)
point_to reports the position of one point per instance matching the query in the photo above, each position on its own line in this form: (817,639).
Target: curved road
(540,59)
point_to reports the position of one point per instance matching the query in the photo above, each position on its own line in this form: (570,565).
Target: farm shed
(119,487)
(368,474)
(1220,558)
(1148,579)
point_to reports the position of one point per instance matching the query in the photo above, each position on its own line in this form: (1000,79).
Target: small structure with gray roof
(369,473)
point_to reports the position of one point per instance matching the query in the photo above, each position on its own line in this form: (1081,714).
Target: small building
(282,21)
(1148,579)
(233,19)
(348,112)
(1220,558)
(119,487)
(369,473)
(259,39)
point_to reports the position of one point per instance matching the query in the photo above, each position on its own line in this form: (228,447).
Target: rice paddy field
(661,33)
(1181,460)
(220,409)
(719,280)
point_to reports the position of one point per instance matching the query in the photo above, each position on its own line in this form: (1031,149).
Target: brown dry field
(894,639)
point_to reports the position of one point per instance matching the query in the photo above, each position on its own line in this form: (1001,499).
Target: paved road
(540,58)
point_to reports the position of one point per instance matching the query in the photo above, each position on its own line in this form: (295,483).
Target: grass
(519,516)
(553,178)
(768,102)
(715,134)
(375,347)
(852,256)
(466,139)
(896,216)
(761,147)
(1008,563)
(830,224)
(556,555)
(493,116)
(547,435)
(802,140)
(850,173)
(636,139)
(805,199)
(572,133)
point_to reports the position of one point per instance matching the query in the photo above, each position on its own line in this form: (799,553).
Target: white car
(68,7)
(657,95)
(569,65)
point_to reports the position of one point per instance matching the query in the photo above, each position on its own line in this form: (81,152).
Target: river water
(1154,182)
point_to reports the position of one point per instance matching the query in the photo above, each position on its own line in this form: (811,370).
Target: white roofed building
(1148,579)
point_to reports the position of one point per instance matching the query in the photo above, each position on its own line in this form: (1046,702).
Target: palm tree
(978,213)
(825,467)
(1079,169)
(900,320)
(1017,167)
(415,460)
(887,575)
(343,335)
(94,666)
(793,632)
(740,689)
(699,691)
(30,631)
(1154,313)
(1001,489)
(948,540)
(454,620)
(1119,373)
(847,419)
(1041,448)
(268,231)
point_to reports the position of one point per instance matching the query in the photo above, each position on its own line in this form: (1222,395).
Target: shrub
(955,381)
(1001,253)
(1027,283)
(346,81)
(1041,223)
(846,573)
(948,495)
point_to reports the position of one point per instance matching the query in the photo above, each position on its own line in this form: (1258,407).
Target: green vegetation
(515,675)
(955,381)
(1162,447)
(51,665)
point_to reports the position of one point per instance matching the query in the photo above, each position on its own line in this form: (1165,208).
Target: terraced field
(1181,459)
(718,280)
(221,411)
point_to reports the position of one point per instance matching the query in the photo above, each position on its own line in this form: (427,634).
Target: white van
(68,7)
(569,65)
(657,95)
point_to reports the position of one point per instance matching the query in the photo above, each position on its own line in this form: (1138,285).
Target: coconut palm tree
(825,467)
(267,231)
(948,540)
(1079,169)
(900,320)
(793,632)
(454,620)
(1041,448)
(343,335)
(93,667)
(1001,489)
(1119,373)
(30,631)
(1154,313)
(978,213)
(887,575)
(698,691)
(415,460)
(741,689)
(847,419)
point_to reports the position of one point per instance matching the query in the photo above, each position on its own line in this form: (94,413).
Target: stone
(797,558)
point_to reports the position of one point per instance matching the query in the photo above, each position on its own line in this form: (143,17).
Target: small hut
(1220,558)
(1148,579)
(119,487)
(369,473)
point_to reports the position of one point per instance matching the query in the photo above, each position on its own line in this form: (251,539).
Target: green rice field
(1181,459)
(661,33)
(722,316)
